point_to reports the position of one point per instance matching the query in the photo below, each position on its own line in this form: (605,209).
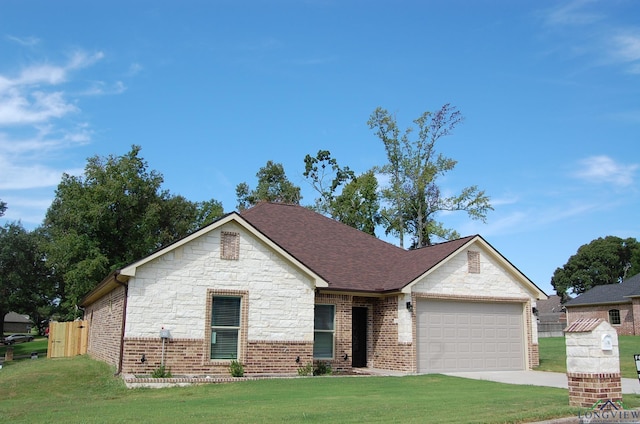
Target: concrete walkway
(537,378)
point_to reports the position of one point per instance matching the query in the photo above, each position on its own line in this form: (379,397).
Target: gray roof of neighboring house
(609,293)
(550,310)
(18,318)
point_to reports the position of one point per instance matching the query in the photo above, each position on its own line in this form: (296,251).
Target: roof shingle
(609,293)
(346,258)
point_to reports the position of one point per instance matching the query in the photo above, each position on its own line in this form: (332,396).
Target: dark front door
(359,337)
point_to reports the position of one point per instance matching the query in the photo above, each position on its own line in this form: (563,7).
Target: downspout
(124,321)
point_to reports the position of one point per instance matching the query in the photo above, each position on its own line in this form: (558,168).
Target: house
(278,286)
(618,304)
(17,323)
(551,316)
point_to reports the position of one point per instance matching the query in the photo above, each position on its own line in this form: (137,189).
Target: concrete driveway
(537,378)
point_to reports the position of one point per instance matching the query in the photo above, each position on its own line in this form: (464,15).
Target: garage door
(469,336)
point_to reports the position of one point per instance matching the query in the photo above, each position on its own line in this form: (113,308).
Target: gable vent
(473,257)
(230,246)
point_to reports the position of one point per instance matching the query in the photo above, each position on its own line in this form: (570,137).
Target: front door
(359,337)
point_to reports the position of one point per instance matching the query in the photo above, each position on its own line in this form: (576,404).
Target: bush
(322,368)
(161,372)
(236,369)
(306,370)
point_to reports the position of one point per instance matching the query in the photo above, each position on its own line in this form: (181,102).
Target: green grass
(553,355)
(39,345)
(81,390)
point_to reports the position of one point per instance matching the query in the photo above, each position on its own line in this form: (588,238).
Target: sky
(212,90)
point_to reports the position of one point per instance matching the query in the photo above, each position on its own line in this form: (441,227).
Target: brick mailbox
(593,362)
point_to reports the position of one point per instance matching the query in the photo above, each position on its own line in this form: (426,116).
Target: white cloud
(101,88)
(20,177)
(594,33)
(24,41)
(604,169)
(572,13)
(19,108)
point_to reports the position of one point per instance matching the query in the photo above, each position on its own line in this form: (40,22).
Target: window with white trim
(614,317)
(324,331)
(225,326)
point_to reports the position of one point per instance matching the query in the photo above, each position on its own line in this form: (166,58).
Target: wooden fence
(67,339)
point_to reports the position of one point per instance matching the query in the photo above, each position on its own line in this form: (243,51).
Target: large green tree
(358,205)
(114,214)
(273,186)
(413,168)
(25,281)
(607,260)
(3,208)
(325,176)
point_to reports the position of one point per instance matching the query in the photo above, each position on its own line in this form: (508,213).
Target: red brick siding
(342,338)
(388,353)
(626,326)
(105,326)
(586,389)
(191,357)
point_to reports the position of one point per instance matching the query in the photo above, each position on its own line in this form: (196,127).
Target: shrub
(236,369)
(322,368)
(306,370)
(161,372)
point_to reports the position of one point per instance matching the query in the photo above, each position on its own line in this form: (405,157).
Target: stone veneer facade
(174,291)
(593,373)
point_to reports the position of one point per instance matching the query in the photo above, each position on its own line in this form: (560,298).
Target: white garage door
(469,336)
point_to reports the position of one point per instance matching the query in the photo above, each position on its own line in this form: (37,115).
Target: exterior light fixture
(409,307)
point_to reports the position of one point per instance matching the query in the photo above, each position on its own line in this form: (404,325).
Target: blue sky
(212,90)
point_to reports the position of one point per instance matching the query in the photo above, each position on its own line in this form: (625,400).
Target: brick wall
(343,322)
(105,326)
(587,389)
(626,327)
(388,353)
(191,357)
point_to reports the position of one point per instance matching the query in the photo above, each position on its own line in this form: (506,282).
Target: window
(473,258)
(323,331)
(614,316)
(230,246)
(225,327)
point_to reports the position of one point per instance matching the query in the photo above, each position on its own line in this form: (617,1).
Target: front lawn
(38,345)
(553,356)
(79,389)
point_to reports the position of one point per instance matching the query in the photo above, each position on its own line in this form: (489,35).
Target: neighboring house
(279,286)
(17,323)
(618,304)
(552,317)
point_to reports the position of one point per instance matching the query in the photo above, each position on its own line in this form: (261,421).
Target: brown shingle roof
(346,258)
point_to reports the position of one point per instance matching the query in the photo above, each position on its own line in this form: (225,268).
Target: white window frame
(237,328)
(332,331)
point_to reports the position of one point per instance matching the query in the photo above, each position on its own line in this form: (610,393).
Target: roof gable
(350,259)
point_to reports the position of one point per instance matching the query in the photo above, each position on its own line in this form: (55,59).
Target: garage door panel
(467,336)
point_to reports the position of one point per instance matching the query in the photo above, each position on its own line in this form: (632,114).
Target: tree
(413,168)
(320,168)
(273,186)
(111,216)
(24,278)
(605,260)
(358,205)
(3,208)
